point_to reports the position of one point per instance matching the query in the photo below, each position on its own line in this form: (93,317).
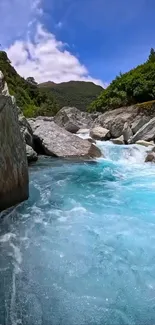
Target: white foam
(17,253)
(84,136)
(126,154)
(5,238)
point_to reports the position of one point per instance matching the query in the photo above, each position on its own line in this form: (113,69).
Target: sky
(62,40)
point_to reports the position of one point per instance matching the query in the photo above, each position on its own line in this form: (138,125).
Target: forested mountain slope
(73,93)
(135,86)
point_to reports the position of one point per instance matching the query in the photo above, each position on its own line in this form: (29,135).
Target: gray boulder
(114,120)
(127,132)
(139,122)
(25,129)
(150,157)
(100,133)
(146,132)
(73,119)
(13,161)
(31,154)
(52,140)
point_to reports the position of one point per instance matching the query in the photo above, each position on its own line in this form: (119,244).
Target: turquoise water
(81,251)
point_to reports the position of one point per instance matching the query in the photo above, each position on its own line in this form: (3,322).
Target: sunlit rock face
(13,161)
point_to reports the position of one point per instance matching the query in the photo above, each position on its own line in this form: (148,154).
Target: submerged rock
(150,157)
(52,140)
(119,140)
(100,133)
(72,119)
(13,162)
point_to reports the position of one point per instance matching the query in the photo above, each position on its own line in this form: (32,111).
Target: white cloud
(34,51)
(45,58)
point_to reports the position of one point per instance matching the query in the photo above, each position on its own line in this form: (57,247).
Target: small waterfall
(131,154)
(128,154)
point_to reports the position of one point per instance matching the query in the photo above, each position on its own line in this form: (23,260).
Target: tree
(152,55)
(31,80)
(135,86)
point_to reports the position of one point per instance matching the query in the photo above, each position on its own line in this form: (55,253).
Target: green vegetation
(74,93)
(32,100)
(135,86)
(46,99)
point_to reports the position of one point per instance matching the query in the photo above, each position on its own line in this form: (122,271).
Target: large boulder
(13,161)
(73,119)
(114,120)
(100,133)
(139,122)
(146,132)
(52,140)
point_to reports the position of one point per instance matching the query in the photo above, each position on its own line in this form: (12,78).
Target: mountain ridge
(73,93)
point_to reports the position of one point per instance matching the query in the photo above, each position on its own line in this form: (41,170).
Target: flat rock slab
(56,141)
(145,143)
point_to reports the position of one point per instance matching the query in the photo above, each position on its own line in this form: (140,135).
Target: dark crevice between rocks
(39,148)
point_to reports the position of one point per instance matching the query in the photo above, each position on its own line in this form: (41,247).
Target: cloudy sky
(63,40)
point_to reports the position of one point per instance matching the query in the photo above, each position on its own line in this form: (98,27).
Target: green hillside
(135,86)
(73,93)
(32,100)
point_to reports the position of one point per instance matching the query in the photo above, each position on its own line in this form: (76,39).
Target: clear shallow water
(81,251)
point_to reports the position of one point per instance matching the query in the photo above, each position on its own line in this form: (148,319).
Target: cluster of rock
(55,136)
(127,125)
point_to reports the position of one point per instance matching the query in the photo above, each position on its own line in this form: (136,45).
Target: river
(81,250)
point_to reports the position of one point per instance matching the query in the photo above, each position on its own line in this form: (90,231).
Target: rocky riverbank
(59,136)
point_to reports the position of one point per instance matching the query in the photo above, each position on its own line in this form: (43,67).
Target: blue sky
(99,38)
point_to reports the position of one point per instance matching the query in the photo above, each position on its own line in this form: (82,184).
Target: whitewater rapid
(81,251)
